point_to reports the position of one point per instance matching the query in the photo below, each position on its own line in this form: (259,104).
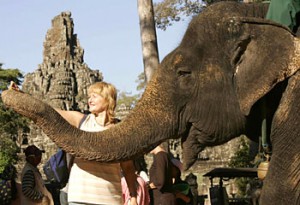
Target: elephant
(210,89)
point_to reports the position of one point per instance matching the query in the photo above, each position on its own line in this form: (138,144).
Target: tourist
(161,178)
(92,182)
(34,190)
(143,197)
(181,188)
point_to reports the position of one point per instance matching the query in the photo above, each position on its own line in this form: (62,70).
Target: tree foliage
(169,11)
(141,81)
(7,75)
(10,122)
(242,158)
(128,99)
(8,153)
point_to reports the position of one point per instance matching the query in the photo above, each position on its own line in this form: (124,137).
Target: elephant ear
(264,55)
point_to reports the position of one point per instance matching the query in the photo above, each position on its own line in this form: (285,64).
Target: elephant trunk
(148,124)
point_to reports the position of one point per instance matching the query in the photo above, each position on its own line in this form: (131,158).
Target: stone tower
(63,77)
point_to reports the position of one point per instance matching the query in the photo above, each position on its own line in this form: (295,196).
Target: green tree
(127,99)
(8,153)
(141,81)
(10,122)
(167,12)
(7,75)
(241,158)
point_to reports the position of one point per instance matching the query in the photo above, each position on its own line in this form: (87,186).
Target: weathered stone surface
(63,77)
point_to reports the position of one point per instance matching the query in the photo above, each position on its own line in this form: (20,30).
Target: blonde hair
(109,93)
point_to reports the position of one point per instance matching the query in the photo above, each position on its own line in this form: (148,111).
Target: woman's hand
(14,86)
(185,198)
(152,186)
(133,201)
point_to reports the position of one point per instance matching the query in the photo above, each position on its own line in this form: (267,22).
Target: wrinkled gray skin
(207,91)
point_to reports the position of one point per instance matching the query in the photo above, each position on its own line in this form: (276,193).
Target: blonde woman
(93,182)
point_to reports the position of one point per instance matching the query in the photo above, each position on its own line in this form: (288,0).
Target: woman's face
(97,103)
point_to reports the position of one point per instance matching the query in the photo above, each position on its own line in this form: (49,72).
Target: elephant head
(207,91)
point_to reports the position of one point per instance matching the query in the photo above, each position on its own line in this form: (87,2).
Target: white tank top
(93,182)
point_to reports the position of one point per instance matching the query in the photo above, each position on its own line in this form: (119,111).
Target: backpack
(56,169)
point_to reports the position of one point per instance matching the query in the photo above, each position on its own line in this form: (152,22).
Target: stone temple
(63,76)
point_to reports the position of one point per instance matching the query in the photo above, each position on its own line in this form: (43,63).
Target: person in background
(191,179)
(141,168)
(181,188)
(92,182)
(34,190)
(286,12)
(160,174)
(143,197)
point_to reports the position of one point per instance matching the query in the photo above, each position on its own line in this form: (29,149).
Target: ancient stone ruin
(63,76)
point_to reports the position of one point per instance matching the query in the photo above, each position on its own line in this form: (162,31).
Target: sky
(108,31)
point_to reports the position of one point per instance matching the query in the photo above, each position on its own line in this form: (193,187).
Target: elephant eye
(183,73)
